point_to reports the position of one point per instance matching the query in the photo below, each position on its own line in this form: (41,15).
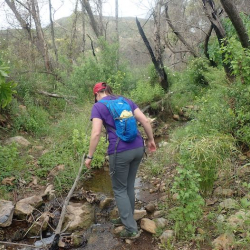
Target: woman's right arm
(140,117)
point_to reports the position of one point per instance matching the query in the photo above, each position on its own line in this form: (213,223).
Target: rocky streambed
(30,223)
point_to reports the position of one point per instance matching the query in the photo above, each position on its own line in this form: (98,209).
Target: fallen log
(55,95)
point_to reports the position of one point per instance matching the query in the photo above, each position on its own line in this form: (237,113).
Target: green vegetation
(216,131)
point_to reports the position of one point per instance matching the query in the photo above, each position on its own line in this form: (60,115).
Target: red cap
(98,87)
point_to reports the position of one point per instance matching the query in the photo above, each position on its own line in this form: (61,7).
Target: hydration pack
(125,122)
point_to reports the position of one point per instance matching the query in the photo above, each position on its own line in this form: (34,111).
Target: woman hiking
(124,156)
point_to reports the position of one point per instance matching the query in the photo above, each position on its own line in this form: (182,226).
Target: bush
(144,93)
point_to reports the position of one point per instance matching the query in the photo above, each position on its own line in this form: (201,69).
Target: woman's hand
(88,163)
(151,145)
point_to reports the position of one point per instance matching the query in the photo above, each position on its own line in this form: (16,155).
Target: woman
(124,158)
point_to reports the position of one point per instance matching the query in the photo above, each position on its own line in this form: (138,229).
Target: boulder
(139,214)
(161,222)
(148,225)
(21,141)
(26,206)
(6,213)
(150,207)
(78,217)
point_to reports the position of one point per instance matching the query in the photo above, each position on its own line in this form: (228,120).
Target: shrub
(144,93)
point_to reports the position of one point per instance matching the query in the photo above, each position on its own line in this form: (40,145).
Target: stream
(100,235)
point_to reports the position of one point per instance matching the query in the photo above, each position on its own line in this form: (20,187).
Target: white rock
(6,213)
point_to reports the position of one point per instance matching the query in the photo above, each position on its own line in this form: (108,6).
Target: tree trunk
(41,40)
(73,33)
(83,27)
(92,18)
(99,7)
(25,26)
(237,22)
(212,63)
(52,31)
(161,72)
(211,13)
(180,37)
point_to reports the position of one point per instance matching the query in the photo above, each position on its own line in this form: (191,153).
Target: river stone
(161,222)
(19,140)
(150,207)
(78,217)
(148,225)
(6,213)
(157,214)
(26,206)
(168,234)
(139,214)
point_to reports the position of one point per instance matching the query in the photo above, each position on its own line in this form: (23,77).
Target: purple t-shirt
(100,111)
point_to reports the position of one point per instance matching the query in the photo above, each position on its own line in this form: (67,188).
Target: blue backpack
(125,122)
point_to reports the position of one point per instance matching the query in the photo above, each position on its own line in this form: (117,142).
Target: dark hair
(107,90)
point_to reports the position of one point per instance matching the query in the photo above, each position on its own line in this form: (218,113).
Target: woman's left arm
(94,139)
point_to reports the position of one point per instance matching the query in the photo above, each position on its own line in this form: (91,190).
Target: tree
(32,8)
(52,31)
(178,34)
(212,14)
(159,69)
(237,22)
(93,22)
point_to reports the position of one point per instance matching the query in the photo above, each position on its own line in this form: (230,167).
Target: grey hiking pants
(125,168)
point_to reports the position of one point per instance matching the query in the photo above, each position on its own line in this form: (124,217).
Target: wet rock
(79,216)
(166,236)
(6,213)
(105,202)
(161,222)
(150,208)
(21,141)
(139,214)
(224,242)
(148,225)
(26,206)
(228,204)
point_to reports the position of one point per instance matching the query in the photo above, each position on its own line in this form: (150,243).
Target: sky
(64,8)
